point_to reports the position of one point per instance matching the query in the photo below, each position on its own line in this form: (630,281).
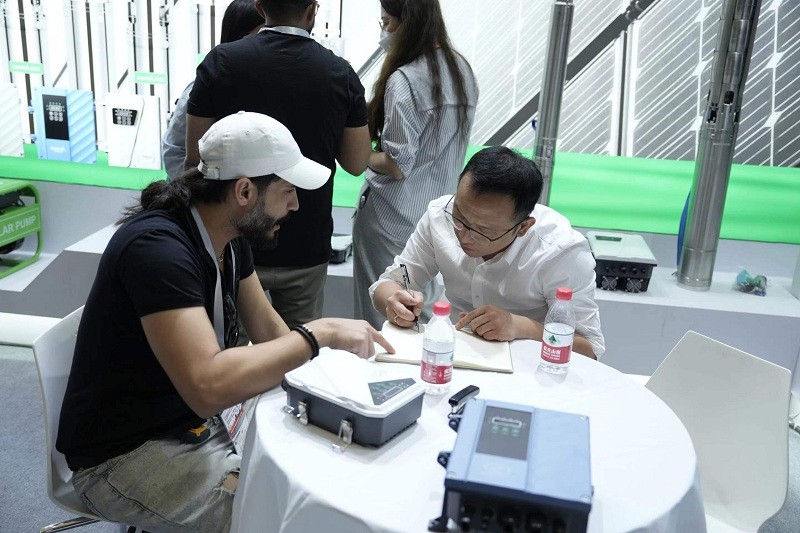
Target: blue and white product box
(65,128)
(11,139)
(133,131)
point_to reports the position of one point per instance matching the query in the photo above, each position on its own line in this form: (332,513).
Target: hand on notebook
(490,322)
(403,307)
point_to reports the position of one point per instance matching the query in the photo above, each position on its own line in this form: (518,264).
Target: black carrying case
(360,401)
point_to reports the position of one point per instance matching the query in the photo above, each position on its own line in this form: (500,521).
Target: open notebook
(471,351)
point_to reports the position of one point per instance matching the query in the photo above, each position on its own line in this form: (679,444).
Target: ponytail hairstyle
(186,190)
(421,33)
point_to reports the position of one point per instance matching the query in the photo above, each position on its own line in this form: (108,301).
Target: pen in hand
(407,286)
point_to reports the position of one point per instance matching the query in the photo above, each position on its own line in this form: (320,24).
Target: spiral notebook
(471,351)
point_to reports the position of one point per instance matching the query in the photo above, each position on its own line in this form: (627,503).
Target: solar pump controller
(517,468)
(134,131)
(623,261)
(64,124)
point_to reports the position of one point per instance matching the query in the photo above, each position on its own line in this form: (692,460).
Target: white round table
(644,468)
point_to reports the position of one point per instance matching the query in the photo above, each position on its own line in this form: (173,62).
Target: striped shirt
(428,149)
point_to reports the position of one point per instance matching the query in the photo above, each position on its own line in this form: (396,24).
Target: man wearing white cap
(156,357)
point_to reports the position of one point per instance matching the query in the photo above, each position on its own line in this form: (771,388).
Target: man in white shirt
(501,255)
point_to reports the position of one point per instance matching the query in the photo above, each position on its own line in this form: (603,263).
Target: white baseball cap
(251,144)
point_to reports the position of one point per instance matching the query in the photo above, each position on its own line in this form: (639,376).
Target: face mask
(386,40)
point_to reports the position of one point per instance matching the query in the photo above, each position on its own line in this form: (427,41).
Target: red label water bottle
(438,343)
(558,333)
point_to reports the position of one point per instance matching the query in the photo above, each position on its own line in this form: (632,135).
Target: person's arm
(496,324)
(574,268)
(587,313)
(210,380)
(196,127)
(258,317)
(382,163)
(527,328)
(355,149)
(201,108)
(353,153)
(402,129)
(166,285)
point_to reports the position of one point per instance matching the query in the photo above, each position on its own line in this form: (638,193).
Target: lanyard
(287,29)
(219,320)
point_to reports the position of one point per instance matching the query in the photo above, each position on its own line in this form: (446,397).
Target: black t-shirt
(118,395)
(309,89)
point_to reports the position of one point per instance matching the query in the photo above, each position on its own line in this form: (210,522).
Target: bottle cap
(564,293)
(441,308)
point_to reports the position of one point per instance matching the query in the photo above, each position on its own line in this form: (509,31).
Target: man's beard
(256,226)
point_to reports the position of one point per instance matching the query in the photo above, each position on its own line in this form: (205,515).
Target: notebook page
(471,351)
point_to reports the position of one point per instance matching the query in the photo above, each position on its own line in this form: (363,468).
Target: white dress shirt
(522,279)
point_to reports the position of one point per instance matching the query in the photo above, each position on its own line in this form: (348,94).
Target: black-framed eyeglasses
(231,321)
(474,234)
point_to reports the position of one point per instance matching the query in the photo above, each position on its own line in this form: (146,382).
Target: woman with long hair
(420,118)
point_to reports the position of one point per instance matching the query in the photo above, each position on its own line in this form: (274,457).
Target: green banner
(17,222)
(150,78)
(26,67)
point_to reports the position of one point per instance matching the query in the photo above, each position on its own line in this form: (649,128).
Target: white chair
(734,406)
(53,352)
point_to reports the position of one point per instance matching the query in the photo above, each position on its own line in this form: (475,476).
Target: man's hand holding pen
(404,307)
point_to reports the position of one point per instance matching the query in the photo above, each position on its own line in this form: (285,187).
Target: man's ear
(260,9)
(244,191)
(311,13)
(525,226)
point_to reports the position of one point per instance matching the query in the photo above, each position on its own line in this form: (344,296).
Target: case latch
(301,412)
(345,436)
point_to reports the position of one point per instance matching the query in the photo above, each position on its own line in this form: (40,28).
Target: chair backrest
(53,351)
(735,407)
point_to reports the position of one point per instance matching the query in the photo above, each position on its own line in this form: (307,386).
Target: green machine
(20,216)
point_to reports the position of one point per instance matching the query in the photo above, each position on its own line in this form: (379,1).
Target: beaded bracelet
(306,332)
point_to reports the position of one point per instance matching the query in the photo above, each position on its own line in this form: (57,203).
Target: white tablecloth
(644,469)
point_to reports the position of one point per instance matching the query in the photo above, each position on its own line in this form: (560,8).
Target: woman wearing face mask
(420,116)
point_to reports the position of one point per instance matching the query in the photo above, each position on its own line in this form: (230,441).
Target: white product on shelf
(10,121)
(133,131)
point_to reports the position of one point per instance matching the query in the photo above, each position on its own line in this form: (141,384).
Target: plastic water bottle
(438,343)
(558,334)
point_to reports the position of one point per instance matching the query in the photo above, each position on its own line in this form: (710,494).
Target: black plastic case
(377,401)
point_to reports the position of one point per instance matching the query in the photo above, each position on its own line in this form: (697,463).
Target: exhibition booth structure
(83,123)
(655,140)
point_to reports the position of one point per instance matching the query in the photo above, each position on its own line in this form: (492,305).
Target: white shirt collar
(289,30)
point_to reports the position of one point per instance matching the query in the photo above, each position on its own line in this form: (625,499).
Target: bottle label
(433,373)
(556,348)
(436,374)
